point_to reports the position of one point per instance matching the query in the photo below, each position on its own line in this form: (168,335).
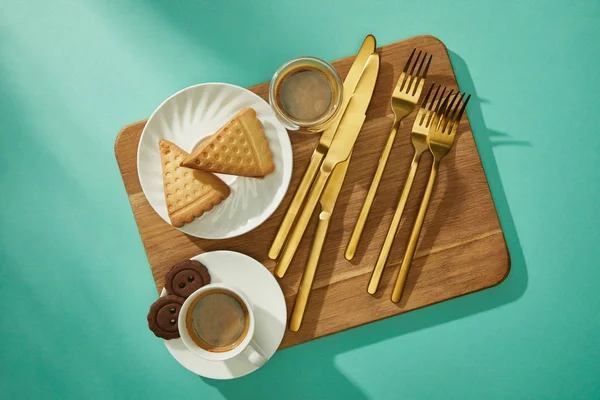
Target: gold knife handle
(364,212)
(303,220)
(414,236)
(309,272)
(391,234)
(298,199)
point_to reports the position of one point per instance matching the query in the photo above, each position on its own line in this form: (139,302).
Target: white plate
(267,300)
(189,116)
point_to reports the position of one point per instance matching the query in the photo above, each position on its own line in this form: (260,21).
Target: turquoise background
(75,285)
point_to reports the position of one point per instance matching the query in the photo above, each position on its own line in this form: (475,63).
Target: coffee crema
(218,320)
(305,94)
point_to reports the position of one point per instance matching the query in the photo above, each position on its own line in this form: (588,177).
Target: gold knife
(328,200)
(339,151)
(367,48)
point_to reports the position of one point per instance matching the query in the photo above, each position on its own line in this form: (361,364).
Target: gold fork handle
(414,236)
(292,212)
(309,272)
(364,212)
(296,236)
(391,234)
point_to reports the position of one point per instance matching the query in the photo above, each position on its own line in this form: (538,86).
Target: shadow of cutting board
(462,247)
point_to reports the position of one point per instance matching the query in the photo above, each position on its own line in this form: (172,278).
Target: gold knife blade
(366,49)
(339,151)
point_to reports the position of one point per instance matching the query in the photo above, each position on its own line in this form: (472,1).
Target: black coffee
(218,320)
(305,94)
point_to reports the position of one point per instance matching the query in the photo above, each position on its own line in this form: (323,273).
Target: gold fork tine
(411,85)
(424,110)
(405,69)
(442,131)
(429,107)
(444,113)
(432,107)
(426,99)
(427,67)
(418,79)
(411,76)
(412,70)
(404,98)
(439,117)
(456,120)
(440,100)
(451,108)
(406,76)
(452,112)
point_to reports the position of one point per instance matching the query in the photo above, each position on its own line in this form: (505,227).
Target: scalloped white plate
(188,117)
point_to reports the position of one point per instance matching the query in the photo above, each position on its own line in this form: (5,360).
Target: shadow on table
(234,31)
(310,369)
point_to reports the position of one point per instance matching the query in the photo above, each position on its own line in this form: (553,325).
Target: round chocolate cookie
(162,318)
(186,277)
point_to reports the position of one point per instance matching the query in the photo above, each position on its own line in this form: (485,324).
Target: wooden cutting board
(461,250)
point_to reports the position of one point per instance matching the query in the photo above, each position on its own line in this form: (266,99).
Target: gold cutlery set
(434,129)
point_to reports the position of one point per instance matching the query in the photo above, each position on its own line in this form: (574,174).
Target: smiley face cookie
(186,277)
(163,315)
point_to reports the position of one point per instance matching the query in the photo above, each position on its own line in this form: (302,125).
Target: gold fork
(419,141)
(442,132)
(405,96)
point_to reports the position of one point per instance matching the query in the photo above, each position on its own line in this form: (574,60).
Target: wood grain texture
(461,250)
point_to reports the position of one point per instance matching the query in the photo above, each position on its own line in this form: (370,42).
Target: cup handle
(255,354)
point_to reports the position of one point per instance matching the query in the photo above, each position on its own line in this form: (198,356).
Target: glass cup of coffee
(216,322)
(306,94)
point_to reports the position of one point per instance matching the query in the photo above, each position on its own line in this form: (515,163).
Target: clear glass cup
(306,126)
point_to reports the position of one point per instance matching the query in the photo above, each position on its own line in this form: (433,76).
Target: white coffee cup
(248,346)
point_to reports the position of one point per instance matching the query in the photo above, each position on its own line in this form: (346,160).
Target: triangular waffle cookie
(189,193)
(240,147)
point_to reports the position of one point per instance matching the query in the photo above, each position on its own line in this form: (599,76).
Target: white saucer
(268,303)
(188,117)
